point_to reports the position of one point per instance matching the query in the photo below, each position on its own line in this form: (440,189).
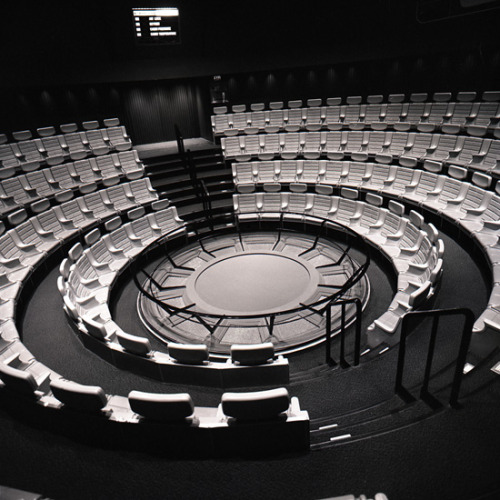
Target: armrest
(41,231)
(475,211)
(10,263)
(492,224)
(456,201)
(435,192)
(95,263)
(478,156)
(26,247)
(130,233)
(110,245)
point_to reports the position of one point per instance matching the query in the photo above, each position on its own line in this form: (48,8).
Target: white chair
(79,397)
(133,343)
(262,405)
(190,354)
(252,354)
(20,381)
(164,407)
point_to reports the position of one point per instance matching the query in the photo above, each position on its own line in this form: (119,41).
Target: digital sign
(156,25)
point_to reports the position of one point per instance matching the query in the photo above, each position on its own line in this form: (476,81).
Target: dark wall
(149,110)
(73,61)
(92,41)
(472,69)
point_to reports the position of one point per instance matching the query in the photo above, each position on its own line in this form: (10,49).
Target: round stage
(250,288)
(252,283)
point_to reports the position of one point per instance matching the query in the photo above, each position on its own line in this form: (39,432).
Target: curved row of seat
(408,149)
(26,246)
(474,118)
(23,375)
(86,278)
(369,99)
(28,155)
(412,246)
(24,135)
(322,173)
(54,182)
(470,206)
(53,391)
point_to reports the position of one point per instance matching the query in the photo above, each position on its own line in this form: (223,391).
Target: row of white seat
(370,99)
(87,276)
(66,128)
(25,376)
(470,206)
(477,119)
(85,282)
(322,173)
(53,391)
(26,245)
(408,149)
(31,154)
(22,373)
(412,246)
(57,181)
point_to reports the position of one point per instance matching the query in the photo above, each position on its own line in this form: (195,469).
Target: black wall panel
(148,109)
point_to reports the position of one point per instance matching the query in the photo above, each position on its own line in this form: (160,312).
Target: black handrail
(436,315)
(357,342)
(239,225)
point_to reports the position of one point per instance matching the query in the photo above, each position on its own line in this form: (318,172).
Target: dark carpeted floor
(447,454)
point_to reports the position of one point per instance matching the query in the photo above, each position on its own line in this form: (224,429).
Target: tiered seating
(22,190)
(469,205)
(413,247)
(85,284)
(409,149)
(22,249)
(416,113)
(29,154)
(274,411)
(26,246)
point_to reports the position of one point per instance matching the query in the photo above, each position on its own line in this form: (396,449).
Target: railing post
(357,340)
(343,362)
(462,354)
(328,358)
(424,390)
(459,363)
(398,386)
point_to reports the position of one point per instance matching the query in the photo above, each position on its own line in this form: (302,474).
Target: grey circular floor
(249,289)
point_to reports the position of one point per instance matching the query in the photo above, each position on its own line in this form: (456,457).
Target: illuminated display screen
(156,25)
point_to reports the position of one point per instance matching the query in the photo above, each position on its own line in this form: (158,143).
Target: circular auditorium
(250,250)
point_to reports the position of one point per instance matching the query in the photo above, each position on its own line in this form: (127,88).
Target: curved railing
(230,223)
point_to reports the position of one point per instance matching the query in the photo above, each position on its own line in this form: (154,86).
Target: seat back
(170,407)
(111,122)
(18,380)
(191,354)
(252,354)
(95,329)
(261,405)
(133,343)
(79,397)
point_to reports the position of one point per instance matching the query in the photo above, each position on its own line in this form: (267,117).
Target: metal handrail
(435,315)
(206,319)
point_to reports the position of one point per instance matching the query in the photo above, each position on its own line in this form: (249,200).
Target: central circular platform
(251,283)
(250,288)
